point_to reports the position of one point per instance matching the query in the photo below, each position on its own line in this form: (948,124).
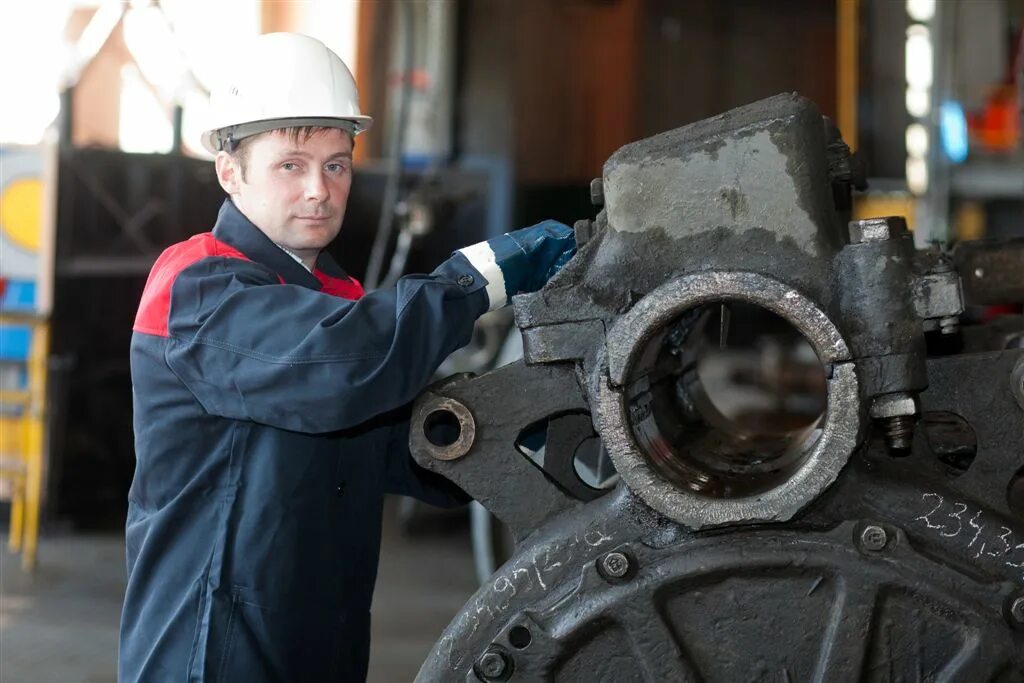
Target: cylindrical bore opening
(726,400)
(442,428)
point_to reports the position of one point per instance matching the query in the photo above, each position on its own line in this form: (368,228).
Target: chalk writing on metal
(986,538)
(526,574)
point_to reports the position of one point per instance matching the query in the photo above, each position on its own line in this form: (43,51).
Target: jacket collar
(235,229)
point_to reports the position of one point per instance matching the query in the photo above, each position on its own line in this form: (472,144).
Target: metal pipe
(387,214)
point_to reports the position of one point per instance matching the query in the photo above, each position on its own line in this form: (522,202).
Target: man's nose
(316,186)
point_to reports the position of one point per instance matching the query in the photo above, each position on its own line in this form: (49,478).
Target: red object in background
(996,128)
(996,311)
(3,286)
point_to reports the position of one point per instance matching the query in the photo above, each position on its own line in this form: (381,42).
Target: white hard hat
(283,80)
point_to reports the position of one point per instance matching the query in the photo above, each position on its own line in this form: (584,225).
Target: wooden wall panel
(703,57)
(574,66)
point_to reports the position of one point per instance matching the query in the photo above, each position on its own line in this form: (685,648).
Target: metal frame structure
(884,541)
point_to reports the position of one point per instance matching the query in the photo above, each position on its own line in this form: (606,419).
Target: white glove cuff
(481,257)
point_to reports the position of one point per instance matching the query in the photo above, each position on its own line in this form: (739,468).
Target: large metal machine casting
(819,462)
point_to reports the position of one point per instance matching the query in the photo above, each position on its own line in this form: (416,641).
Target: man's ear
(229,173)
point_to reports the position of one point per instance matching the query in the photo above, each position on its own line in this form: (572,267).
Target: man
(270,394)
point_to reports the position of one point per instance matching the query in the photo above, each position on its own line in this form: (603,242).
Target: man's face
(295,191)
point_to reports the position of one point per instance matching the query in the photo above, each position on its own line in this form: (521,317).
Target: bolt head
(873,538)
(615,565)
(492,665)
(877,229)
(583,231)
(893,405)
(1017,610)
(597,192)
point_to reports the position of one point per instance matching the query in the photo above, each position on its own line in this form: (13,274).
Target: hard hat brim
(213,140)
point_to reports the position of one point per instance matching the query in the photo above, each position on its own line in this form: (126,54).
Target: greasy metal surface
(978,388)
(825,457)
(877,229)
(748,190)
(820,468)
(992,270)
(521,496)
(1017,383)
(875,286)
(686,292)
(567,436)
(816,591)
(937,295)
(851,562)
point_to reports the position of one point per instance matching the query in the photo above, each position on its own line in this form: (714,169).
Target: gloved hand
(522,260)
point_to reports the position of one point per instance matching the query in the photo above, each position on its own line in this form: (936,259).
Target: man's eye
(335,168)
(289,166)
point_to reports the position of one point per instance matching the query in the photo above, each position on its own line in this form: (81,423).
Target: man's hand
(523,260)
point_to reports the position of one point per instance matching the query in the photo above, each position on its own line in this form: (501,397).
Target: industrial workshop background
(489,115)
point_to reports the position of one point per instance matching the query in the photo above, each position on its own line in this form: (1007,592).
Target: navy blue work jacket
(269,424)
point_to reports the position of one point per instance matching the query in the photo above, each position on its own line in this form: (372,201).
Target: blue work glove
(522,260)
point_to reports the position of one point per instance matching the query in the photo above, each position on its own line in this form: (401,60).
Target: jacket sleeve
(249,348)
(406,478)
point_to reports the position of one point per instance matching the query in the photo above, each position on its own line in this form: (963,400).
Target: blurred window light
(26,123)
(919,56)
(921,10)
(195,115)
(199,27)
(151,41)
(953,131)
(334,24)
(917,176)
(32,59)
(94,36)
(917,141)
(919,102)
(144,125)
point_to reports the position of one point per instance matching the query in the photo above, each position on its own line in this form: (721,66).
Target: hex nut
(877,229)
(897,404)
(873,538)
(492,665)
(938,295)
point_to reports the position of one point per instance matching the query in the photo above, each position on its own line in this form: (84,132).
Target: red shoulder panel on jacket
(346,288)
(155,305)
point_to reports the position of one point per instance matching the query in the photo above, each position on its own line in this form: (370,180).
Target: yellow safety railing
(22,440)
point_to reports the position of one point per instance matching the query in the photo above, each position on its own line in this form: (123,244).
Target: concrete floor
(60,624)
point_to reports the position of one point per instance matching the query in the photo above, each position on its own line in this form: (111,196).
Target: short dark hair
(297,133)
